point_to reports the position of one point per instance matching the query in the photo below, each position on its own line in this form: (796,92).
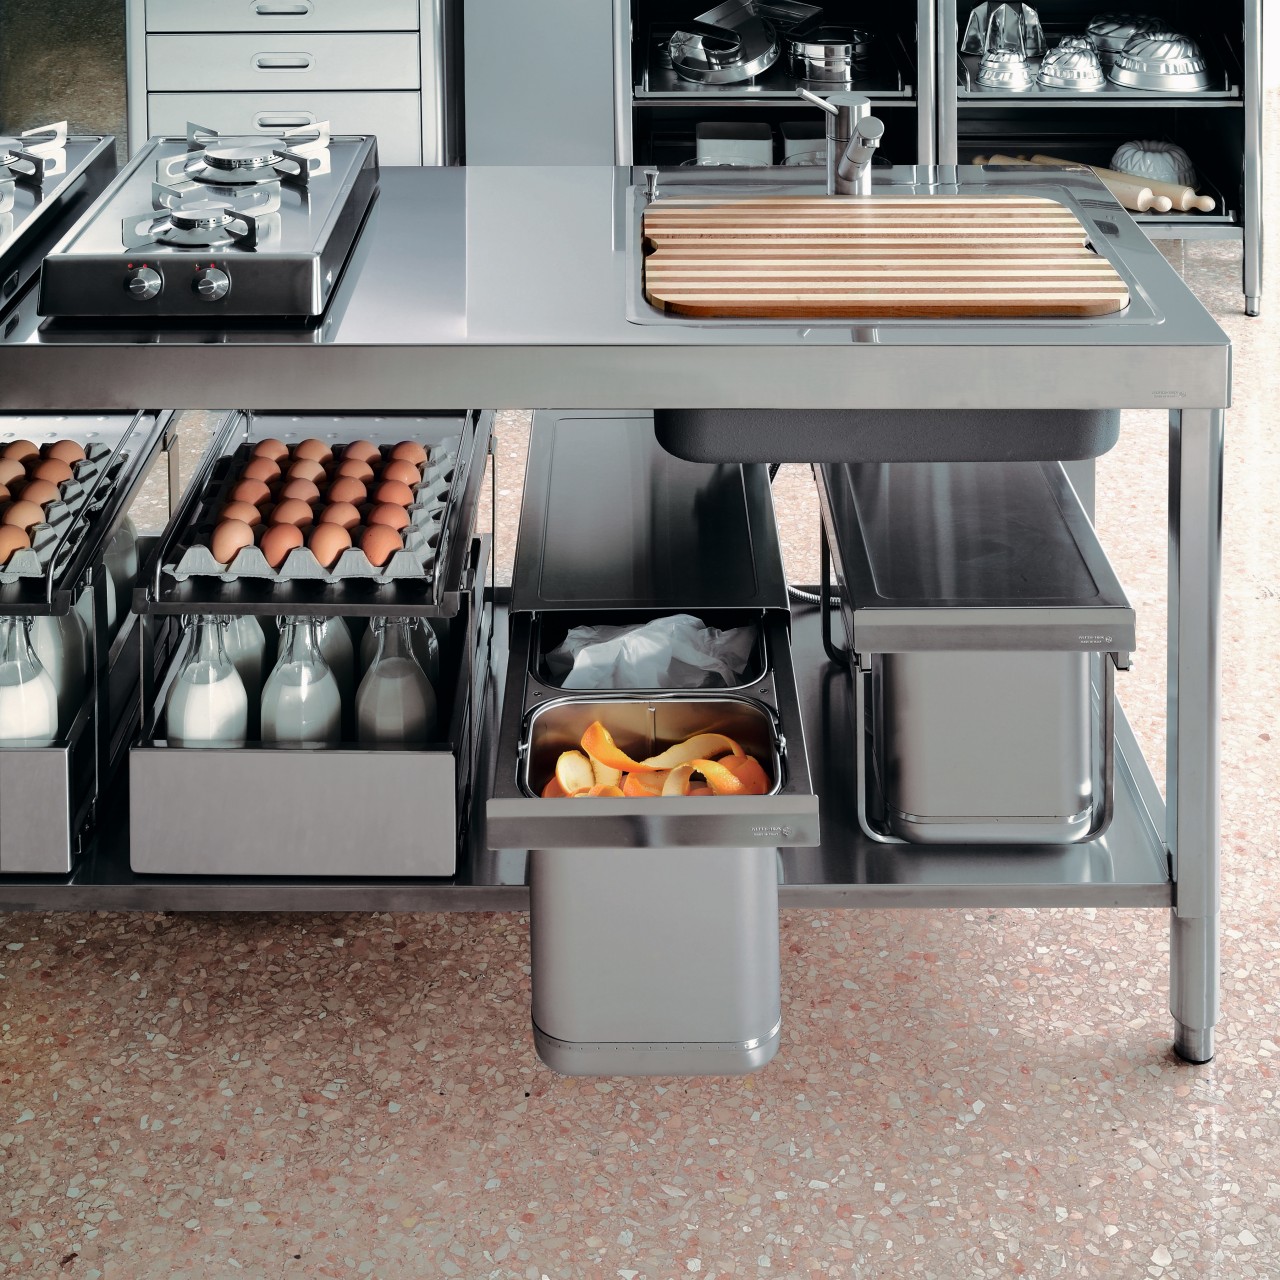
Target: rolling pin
(1180,197)
(1134,195)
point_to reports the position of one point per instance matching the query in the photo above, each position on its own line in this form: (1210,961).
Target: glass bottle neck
(15,640)
(207,642)
(393,639)
(301,642)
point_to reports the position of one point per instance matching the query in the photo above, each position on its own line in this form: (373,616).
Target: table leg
(1195,571)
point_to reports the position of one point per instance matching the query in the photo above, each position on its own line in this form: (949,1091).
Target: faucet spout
(853,173)
(852,135)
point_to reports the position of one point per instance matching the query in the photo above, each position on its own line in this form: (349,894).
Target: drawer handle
(264,9)
(283,61)
(274,120)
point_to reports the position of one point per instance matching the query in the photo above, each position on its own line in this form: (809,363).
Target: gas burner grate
(187,217)
(212,159)
(33,156)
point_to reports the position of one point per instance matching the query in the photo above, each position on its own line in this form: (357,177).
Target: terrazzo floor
(958,1094)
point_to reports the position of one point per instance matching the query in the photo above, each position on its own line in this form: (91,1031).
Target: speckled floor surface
(958,1094)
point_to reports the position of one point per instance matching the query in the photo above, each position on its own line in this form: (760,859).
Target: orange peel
(553,790)
(643,785)
(573,772)
(606,789)
(750,772)
(677,781)
(702,746)
(605,776)
(598,743)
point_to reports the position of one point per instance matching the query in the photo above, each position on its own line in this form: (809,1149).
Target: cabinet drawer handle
(274,120)
(265,9)
(283,61)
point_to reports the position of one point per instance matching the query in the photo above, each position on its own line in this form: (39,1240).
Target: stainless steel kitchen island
(519,287)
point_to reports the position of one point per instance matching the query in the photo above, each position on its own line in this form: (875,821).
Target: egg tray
(60,517)
(422,536)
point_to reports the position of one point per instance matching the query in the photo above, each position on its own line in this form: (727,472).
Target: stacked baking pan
(985,625)
(654,917)
(271,808)
(67,596)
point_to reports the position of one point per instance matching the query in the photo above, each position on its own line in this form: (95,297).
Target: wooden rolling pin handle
(1132,194)
(1180,197)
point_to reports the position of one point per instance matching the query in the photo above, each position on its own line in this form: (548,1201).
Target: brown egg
(276,450)
(314,450)
(229,536)
(22,450)
(394,491)
(254,492)
(40,491)
(5,495)
(23,515)
(361,451)
(245,511)
(11,539)
(410,451)
(306,469)
(293,511)
(353,469)
(261,469)
(10,470)
(52,469)
(405,472)
(65,451)
(341,513)
(302,490)
(345,489)
(278,541)
(390,515)
(380,543)
(328,542)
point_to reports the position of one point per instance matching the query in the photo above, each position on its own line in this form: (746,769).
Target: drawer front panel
(293,812)
(35,810)
(282,15)
(282,62)
(393,118)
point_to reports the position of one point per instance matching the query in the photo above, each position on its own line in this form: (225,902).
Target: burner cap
(241,159)
(206,216)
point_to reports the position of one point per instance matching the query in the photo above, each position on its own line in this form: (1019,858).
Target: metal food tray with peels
(423,579)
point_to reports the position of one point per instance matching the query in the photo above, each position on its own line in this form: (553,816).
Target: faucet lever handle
(818,102)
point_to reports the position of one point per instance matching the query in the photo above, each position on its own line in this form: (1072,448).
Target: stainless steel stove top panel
(111,265)
(33,215)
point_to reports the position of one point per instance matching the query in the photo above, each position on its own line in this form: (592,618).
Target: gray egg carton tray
(417,560)
(60,517)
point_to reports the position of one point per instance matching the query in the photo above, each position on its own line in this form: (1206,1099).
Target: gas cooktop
(46,180)
(216,227)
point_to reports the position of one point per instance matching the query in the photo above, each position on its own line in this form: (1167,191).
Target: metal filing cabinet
(654,921)
(380,67)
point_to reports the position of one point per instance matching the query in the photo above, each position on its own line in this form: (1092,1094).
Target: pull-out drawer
(268,810)
(282,15)
(395,119)
(539,722)
(283,62)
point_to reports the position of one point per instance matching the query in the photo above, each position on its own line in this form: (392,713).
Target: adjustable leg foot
(1193,984)
(1252,305)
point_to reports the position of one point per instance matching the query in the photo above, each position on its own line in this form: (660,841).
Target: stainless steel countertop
(513,288)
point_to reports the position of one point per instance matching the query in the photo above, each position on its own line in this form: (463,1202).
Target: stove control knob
(211,284)
(143,284)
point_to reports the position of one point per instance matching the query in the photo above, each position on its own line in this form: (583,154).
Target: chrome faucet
(853,135)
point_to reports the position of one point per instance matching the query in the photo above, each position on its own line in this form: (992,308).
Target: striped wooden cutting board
(859,257)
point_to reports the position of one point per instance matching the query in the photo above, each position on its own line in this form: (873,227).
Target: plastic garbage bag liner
(675,652)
